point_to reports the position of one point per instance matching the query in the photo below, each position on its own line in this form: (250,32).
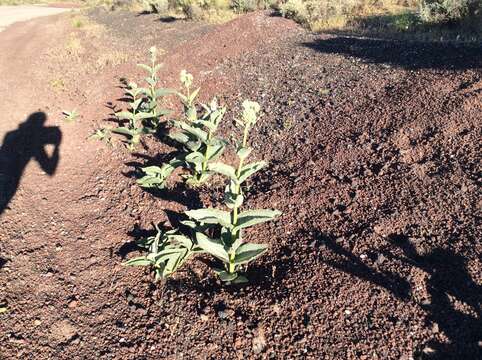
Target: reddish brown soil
(374,160)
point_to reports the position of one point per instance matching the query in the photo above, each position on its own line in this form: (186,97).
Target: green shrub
(243,6)
(449,11)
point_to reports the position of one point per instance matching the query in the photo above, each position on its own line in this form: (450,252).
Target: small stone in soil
(259,342)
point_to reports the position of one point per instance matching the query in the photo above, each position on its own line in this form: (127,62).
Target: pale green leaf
(223,169)
(211,216)
(247,252)
(253,217)
(212,246)
(139,261)
(250,169)
(124,115)
(145,67)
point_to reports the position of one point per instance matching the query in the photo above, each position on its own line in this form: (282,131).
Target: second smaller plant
(197,139)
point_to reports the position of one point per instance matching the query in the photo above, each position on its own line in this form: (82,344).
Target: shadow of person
(20,146)
(450,284)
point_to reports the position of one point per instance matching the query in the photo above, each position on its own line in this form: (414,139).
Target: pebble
(222,314)
(72,304)
(259,342)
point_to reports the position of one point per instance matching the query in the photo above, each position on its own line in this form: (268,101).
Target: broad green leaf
(157,68)
(194,94)
(233,200)
(150,181)
(145,115)
(181,240)
(223,169)
(124,115)
(136,104)
(198,133)
(211,216)
(253,217)
(240,279)
(225,276)
(189,223)
(212,246)
(243,152)
(145,67)
(123,130)
(207,124)
(139,261)
(247,252)
(179,137)
(152,170)
(217,116)
(195,158)
(215,151)
(191,114)
(150,81)
(250,169)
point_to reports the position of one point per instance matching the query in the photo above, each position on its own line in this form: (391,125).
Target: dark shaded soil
(375,162)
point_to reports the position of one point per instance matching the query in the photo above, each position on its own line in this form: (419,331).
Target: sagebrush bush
(446,11)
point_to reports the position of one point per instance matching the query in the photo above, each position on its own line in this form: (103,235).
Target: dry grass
(110,58)
(73,46)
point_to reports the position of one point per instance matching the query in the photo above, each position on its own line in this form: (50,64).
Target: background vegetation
(440,19)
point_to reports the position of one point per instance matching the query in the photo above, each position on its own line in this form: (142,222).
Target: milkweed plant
(217,232)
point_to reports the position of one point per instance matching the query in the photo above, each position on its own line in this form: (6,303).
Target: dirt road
(12,14)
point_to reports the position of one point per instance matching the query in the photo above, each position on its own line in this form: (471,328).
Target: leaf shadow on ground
(22,145)
(448,279)
(408,55)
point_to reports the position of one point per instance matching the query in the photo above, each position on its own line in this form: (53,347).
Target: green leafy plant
(103,135)
(216,232)
(153,92)
(144,113)
(70,116)
(167,252)
(229,247)
(196,138)
(135,116)
(446,11)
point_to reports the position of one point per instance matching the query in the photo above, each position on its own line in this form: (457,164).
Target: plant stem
(235,211)
(205,161)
